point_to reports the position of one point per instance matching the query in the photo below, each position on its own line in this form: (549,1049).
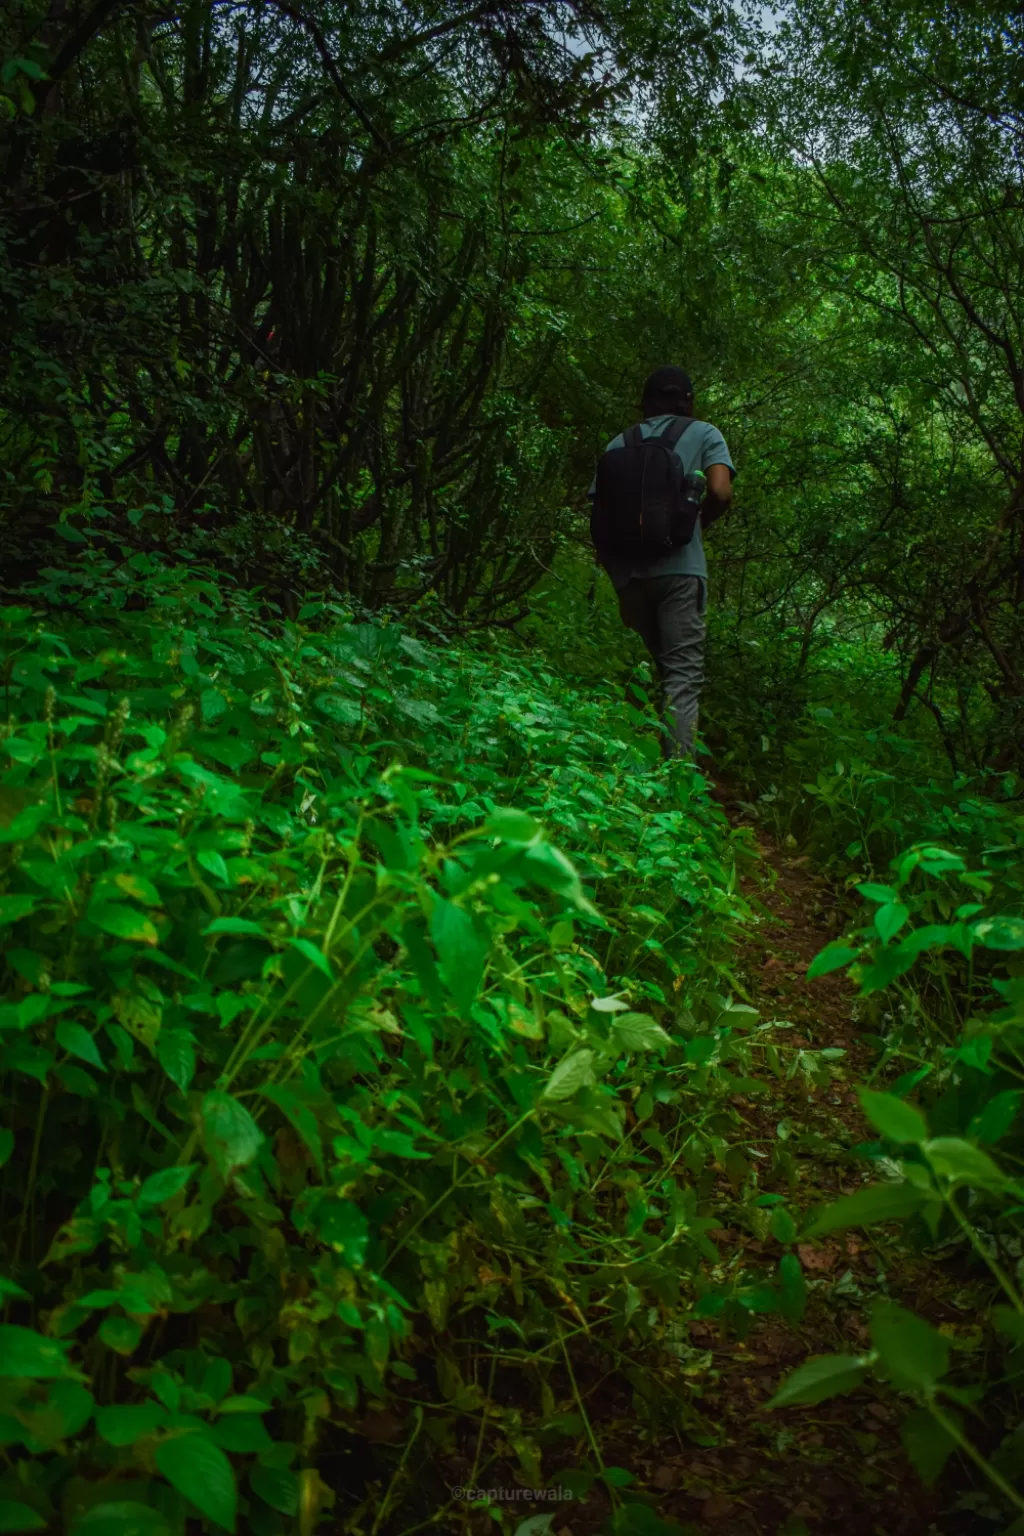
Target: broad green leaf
(315,956)
(20,1517)
(130,1298)
(937,861)
(413,938)
(342,1225)
(23,1015)
(276,1486)
(240,926)
(572,1074)
(995,1119)
(213,863)
(548,867)
(461,950)
(200,1471)
(242,1403)
(879,1202)
(609,1005)
(243,1434)
(232,751)
(895,1119)
(138,887)
(639,1032)
(217,1378)
(822,1377)
(176,1053)
(25,1353)
(883,894)
(123,922)
(422,711)
(928,1443)
(339,709)
(34,1061)
(512,827)
(832,958)
(73,1405)
(885,966)
(1004,933)
(164,1185)
(124,1425)
(915,1355)
(121,1334)
(301,1117)
(963,1163)
(14,908)
(233,1139)
(931,936)
(889,920)
(1008,1321)
(77,1041)
(792,1288)
(77,1080)
(782,1226)
(976,1052)
(140,1017)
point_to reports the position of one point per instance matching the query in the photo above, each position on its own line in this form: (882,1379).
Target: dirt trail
(838,1467)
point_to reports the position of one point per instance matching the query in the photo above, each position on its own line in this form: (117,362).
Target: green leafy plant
(327,1075)
(932,957)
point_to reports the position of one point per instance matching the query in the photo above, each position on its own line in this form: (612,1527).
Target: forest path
(838,1467)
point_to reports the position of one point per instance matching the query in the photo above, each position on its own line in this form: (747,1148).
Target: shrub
(329,1081)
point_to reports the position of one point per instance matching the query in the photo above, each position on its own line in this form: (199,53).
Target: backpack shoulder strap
(632,437)
(676,428)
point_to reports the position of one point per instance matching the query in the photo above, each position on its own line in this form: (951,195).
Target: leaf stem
(971,1451)
(386,1501)
(453,1186)
(591,1437)
(972,1237)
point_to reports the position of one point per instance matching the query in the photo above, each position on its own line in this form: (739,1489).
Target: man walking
(658,485)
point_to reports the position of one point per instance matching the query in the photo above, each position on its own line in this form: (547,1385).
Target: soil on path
(838,1467)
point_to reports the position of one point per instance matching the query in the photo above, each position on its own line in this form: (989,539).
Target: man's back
(664,600)
(699,448)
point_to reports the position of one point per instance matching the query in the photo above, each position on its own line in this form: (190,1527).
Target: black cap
(668,381)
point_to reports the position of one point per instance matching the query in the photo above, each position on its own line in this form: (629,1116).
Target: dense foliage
(312,1049)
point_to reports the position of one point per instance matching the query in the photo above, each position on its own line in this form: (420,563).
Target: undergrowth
(370,1044)
(926,867)
(336,1091)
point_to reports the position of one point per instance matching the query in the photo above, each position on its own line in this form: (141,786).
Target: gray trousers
(667,613)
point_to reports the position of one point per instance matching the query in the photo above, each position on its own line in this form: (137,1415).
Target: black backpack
(642,507)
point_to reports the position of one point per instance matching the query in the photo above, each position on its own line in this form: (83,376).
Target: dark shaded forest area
(422,1106)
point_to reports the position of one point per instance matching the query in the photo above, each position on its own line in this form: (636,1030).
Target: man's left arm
(718,471)
(719,496)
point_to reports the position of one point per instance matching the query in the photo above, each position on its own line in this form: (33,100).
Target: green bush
(940,965)
(328,1080)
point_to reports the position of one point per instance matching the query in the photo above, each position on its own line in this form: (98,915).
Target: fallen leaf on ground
(815,1258)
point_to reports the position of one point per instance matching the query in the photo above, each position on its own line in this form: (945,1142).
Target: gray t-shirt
(699,447)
